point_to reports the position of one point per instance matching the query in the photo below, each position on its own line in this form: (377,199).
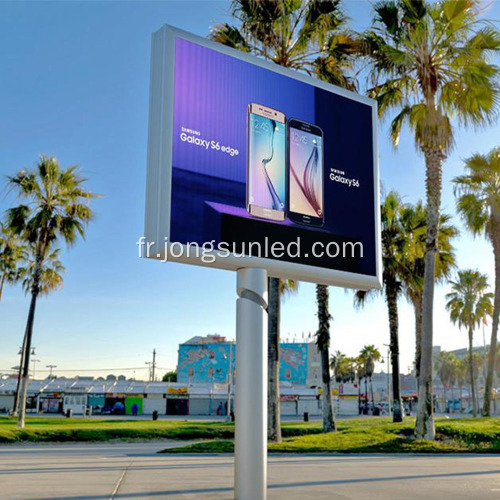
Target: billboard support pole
(250,443)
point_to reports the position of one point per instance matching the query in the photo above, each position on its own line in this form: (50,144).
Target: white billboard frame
(159,170)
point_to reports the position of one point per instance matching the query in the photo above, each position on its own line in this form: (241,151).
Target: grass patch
(376,436)
(84,429)
(40,429)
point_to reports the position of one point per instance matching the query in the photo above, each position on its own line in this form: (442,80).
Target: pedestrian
(135,409)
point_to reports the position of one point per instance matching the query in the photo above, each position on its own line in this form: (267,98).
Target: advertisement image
(260,158)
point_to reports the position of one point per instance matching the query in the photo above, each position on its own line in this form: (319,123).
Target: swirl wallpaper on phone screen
(235,168)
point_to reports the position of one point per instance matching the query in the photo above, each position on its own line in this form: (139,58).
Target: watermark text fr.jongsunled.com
(210,251)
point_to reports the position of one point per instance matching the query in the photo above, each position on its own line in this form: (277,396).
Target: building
(206,360)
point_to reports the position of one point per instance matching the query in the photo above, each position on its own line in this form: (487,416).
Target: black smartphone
(305,173)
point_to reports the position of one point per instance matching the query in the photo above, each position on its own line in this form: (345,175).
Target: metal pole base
(250,443)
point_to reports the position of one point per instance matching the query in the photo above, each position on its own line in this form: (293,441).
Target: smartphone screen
(306,173)
(266,169)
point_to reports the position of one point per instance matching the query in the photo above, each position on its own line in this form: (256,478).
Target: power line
(92,369)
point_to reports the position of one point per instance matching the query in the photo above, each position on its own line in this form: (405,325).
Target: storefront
(76,403)
(50,402)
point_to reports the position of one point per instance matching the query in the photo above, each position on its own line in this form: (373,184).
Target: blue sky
(75,83)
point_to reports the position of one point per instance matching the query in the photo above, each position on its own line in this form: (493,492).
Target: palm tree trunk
(417,308)
(29,334)
(19,376)
(273,421)
(323,341)
(461,404)
(424,426)
(471,370)
(392,305)
(25,376)
(496,315)
(371,393)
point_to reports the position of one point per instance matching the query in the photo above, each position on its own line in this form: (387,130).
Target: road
(134,471)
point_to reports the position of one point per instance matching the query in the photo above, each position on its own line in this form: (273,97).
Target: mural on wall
(209,363)
(206,363)
(293,363)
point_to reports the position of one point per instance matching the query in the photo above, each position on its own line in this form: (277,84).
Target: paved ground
(134,471)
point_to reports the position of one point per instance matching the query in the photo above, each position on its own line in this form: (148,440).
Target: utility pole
(50,367)
(35,361)
(153,367)
(149,369)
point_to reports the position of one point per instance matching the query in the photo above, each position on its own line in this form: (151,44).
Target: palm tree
(323,343)
(414,219)
(277,289)
(430,62)
(50,279)
(12,255)
(478,202)
(469,304)
(369,355)
(397,255)
(308,36)
(56,206)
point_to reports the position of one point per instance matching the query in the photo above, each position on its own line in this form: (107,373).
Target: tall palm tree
(414,219)
(478,202)
(323,343)
(308,36)
(50,279)
(470,304)
(12,256)
(55,206)
(277,289)
(369,355)
(430,63)
(397,255)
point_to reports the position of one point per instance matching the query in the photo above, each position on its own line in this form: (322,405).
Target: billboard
(254,165)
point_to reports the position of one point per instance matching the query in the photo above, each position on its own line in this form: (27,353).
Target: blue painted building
(207,359)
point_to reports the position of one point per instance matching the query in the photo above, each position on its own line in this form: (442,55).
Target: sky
(75,85)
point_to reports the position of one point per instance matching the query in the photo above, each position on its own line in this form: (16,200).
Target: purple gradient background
(212,92)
